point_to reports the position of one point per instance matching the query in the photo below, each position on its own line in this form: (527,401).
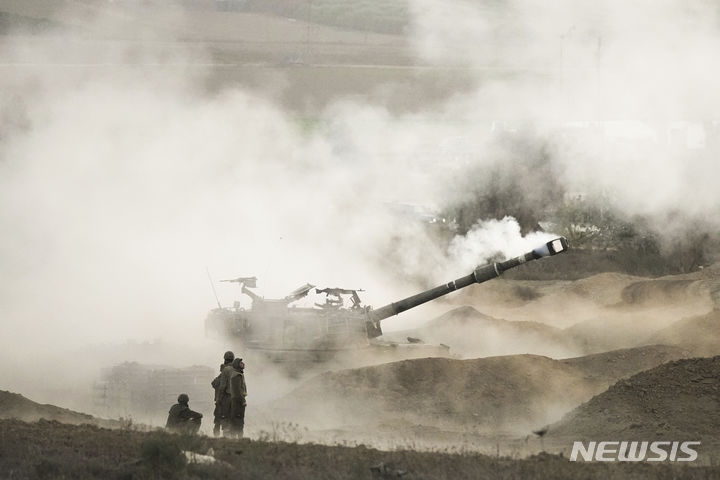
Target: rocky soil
(679,400)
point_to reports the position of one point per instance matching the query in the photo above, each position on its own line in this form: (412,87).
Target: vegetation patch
(55,450)
(381,16)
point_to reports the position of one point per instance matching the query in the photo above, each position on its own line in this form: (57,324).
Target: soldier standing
(222,395)
(181,419)
(238,392)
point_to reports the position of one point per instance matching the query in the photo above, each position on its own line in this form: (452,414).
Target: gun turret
(246,281)
(255,297)
(479,275)
(334,297)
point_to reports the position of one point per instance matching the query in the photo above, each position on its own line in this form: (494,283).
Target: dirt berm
(646,307)
(700,334)
(471,333)
(561,319)
(509,394)
(14,405)
(679,400)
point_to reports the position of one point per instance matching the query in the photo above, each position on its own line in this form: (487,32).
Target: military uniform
(181,419)
(238,392)
(221,384)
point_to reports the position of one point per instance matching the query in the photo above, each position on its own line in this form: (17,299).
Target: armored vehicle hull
(284,331)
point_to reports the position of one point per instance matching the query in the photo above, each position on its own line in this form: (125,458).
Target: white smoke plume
(124,178)
(494,238)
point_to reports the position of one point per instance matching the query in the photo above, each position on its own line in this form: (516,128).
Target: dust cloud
(123,176)
(624,90)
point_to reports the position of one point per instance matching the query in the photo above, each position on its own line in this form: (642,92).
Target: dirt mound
(644,308)
(664,291)
(610,366)
(14,405)
(710,272)
(708,279)
(470,333)
(498,394)
(700,334)
(678,399)
(488,393)
(559,303)
(603,289)
(513,293)
(464,317)
(565,303)
(618,329)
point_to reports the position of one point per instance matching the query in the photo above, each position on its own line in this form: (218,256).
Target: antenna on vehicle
(212,285)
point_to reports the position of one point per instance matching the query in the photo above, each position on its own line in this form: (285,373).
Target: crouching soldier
(222,397)
(238,392)
(181,419)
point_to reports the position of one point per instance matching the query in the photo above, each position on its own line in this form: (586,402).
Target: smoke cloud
(123,175)
(622,89)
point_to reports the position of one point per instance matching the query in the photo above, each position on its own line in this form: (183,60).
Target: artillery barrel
(480,275)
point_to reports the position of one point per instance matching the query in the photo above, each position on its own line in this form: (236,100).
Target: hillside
(15,406)
(470,334)
(678,400)
(612,365)
(511,393)
(587,303)
(700,334)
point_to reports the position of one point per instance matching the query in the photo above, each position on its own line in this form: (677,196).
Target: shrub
(161,454)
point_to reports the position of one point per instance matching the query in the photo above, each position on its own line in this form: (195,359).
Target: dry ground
(47,449)
(679,400)
(440,400)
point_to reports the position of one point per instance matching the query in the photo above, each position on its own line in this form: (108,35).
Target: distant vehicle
(342,322)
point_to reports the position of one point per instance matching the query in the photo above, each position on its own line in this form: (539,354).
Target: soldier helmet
(183,398)
(229,356)
(238,364)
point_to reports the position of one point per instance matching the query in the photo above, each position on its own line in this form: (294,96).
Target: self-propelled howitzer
(276,325)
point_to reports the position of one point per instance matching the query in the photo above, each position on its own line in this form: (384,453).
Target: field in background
(302,65)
